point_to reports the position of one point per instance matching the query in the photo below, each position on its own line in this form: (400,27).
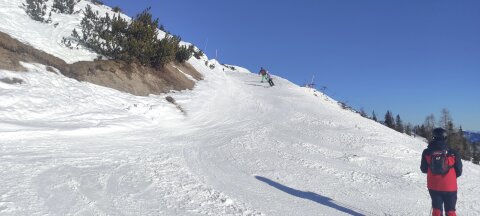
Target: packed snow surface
(241,148)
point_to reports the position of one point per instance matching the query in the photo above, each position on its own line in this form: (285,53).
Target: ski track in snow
(74,148)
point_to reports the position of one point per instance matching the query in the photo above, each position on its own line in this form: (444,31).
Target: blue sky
(410,57)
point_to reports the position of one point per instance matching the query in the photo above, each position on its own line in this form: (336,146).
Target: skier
(443,166)
(266,75)
(263,73)
(270,80)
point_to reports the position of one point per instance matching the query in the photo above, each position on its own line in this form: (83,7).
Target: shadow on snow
(309,196)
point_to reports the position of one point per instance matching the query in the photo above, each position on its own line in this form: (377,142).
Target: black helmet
(439,134)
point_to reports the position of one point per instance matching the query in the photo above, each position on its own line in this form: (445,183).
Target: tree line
(455,135)
(134,41)
(116,38)
(37,9)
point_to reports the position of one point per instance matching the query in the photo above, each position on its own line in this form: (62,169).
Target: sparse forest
(116,38)
(132,41)
(456,138)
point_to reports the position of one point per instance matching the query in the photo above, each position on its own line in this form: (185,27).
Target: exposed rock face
(131,78)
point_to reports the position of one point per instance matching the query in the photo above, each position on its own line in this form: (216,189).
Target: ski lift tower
(311,84)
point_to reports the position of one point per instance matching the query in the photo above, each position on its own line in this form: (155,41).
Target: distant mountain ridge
(472,136)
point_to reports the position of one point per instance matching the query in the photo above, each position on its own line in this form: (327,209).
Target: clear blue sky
(410,57)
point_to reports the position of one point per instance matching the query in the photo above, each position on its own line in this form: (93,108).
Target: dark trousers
(441,198)
(270,81)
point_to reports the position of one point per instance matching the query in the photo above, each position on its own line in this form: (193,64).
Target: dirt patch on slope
(131,78)
(12,51)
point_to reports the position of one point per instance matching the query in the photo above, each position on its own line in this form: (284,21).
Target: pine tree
(166,50)
(142,35)
(456,140)
(465,145)
(429,126)
(117,40)
(452,138)
(421,131)
(389,121)
(399,124)
(117,9)
(198,54)
(408,129)
(476,153)
(64,6)
(363,113)
(183,54)
(374,116)
(103,35)
(89,36)
(135,41)
(445,118)
(36,9)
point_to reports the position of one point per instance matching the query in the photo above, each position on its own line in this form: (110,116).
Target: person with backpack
(266,75)
(263,73)
(443,166)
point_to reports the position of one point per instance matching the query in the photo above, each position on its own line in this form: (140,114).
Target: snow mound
(49,101)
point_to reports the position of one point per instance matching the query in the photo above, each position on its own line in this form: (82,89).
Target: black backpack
(439,164)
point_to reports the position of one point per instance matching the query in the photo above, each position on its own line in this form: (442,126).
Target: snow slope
(241,148)
(15,22)
(48,36)
(72,148)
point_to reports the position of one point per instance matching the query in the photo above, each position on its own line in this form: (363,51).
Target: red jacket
(447,182)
